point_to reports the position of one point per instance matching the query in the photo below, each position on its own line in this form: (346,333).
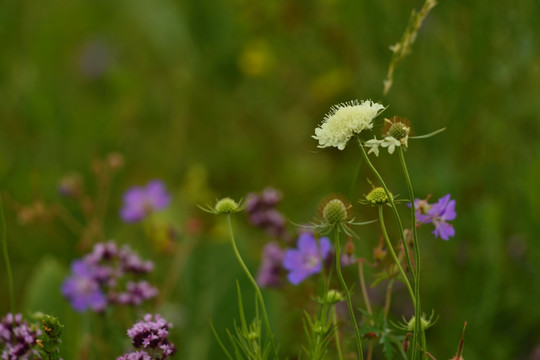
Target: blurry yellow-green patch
(330,83)
(256,58)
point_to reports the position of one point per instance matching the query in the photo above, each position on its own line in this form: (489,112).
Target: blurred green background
(221,98)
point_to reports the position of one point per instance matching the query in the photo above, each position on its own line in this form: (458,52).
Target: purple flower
(438,214)
(97,280)
(142,201)
(137,355)
(151,334)
(262,213)
(17,337)
(271,266)
(307,259)
(82,288)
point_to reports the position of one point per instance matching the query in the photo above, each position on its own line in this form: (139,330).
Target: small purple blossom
(151,335)
(139,202)
(270,272)
(262,213)
(438,214)
(18,338)
(99,279)
(307,259)
(137,355)
(82,288)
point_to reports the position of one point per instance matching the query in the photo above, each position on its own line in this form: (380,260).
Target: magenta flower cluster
(106,276)
(438,214)
(151,335)
(262,212)
(18,338)
(140,202)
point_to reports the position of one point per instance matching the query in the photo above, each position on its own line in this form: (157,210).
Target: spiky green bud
(335,212)
(377,196)
(226,206)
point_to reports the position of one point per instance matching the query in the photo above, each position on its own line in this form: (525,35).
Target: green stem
(394,256)
(254,283)
(347,295)
(392,204)
(418,328)
(404,242)
(6,258)
(336,333)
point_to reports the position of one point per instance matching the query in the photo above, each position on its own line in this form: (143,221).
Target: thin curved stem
(394,256)
(254,283)
(336,333)
(6,258)
(418,328)
(392,204)
(347,295)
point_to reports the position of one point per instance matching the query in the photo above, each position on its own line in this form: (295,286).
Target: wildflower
(262,213)
(82,289)
(345,120)
(97,280)
(373,146)
(307,259)
(151,335)
(441,212)
(271,266)
(17,337)
(225,206)
(391,143)
(377,196)
(139,202)
(438,214)
(398,128)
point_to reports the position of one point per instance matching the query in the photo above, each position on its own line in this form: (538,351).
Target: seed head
(377,196)
(226,206)
(398,128)
(335,212)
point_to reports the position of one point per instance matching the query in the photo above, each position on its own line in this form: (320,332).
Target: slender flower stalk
(392,204)
(253,282)
(6,258)
(336,333)
(418,329)
(394,256)
(417,308)
(347,295)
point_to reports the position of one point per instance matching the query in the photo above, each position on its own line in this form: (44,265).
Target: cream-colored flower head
(345,120)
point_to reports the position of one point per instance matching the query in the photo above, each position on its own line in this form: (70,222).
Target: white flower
(373,144)
(390,143)
(344,121)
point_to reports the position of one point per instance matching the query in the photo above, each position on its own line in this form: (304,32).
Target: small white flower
(373,144)
(344,121)
(390,143)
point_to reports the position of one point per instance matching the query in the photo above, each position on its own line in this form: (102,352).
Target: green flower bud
(226,206)
(333,296)
(377,196)
(335,212)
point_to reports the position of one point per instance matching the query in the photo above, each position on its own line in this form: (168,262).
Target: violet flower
(99,279)
(139,202)
(307,259)
(151,335)
(262,213)
(17,337)
(438,214)
(82,288)
(271,266)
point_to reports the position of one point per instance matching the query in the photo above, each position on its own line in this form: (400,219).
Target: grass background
(221,98)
